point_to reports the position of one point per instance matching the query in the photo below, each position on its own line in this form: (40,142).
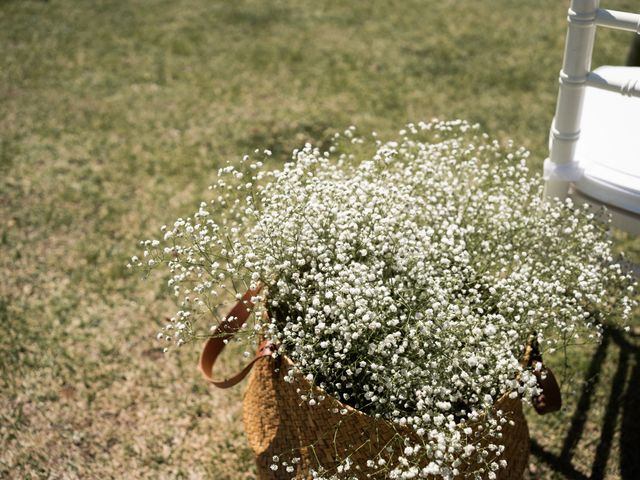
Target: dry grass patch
(113,116)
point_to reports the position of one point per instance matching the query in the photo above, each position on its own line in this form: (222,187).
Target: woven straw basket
(278,423)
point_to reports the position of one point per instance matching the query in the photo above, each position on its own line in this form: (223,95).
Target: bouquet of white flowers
(402,278)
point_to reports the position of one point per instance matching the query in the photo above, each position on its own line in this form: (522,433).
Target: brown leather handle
(225,331)
(550,399)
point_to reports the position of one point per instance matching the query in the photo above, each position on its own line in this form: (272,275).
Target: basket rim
(504,398)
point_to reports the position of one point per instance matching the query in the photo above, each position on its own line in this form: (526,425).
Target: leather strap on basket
(223,333)
(549,399)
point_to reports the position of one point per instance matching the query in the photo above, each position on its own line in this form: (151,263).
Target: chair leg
(633,60)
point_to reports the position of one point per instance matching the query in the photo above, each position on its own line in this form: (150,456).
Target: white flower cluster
(404,278)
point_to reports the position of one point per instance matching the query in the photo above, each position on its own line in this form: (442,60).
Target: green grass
(114,116)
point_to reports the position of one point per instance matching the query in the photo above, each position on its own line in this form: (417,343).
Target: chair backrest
(560,169)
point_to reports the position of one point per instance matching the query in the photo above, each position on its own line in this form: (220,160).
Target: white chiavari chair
(594,143)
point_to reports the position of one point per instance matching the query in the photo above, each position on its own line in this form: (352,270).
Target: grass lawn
(114,116)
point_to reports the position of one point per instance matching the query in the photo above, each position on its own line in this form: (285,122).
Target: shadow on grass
(624,400)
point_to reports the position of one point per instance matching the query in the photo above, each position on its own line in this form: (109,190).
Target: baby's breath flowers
(403,277)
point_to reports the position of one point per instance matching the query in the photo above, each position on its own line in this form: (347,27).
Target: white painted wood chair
(594,143)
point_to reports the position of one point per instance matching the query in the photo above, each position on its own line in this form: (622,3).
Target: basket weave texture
(278,423)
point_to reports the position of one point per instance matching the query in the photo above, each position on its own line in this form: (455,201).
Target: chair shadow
(624,401)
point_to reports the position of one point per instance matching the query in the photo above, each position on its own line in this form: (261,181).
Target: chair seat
(609,146)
